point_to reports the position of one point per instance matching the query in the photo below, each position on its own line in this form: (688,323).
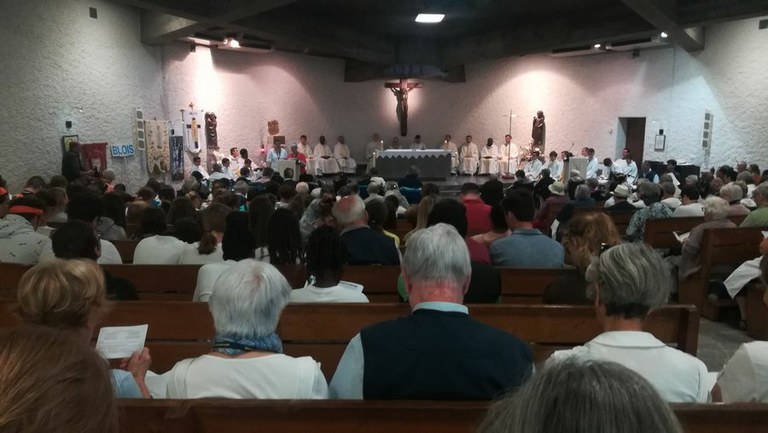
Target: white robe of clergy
(555,168)
(450,146)
(488,160)
(343,157)
(533,169)
(306,149)
(326,163)
(508,157)
(469,156)
(370,149)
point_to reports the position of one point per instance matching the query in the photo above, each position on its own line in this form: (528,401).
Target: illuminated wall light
(429,18)
(234,43)
(664,34)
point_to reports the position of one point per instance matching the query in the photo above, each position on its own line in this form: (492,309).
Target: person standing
(275,154)
(71,166)
(373,147)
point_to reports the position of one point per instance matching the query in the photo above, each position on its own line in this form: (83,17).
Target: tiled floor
(717,342)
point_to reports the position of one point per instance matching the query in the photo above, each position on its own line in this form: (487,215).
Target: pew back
(659,233)
(179,330)
(303,416)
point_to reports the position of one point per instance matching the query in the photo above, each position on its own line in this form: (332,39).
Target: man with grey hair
(649,193)
(363,245)
(374,190)
(438,352)
(759,216)
(733,194)
(668,198)
(218,173)
(627,282)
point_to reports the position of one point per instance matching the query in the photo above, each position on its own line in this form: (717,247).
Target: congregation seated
(621,203)
(749,272)
(733,194)
(52,381)
(246,359)
(111,224)
(650,195)
(423,210)
(377,211)
(325,264)
(363,245)
(70,295)
(156,247)
(318,213)
(19,240)
(715,216)
(627,282)
(438,352)
(238,243)
(213,221)
(411,179)
(283,239)
(690,205)
(582,199)
(452,212)
(593,396)
(492,191)
(668,198)
(556,197)
(526,247)
(587,235)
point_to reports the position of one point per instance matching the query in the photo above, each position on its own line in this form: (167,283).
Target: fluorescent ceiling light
(664,34)
(234,43)
(429,18)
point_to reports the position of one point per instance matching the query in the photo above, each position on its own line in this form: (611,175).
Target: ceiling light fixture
(598,46)
(234,43)
(429,18)
(664,35)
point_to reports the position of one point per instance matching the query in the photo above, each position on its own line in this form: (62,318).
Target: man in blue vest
(437,352)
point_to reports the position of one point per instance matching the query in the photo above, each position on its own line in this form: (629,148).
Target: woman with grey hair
(650,194)
(733,194)
(627,282)
(715,216)
(578,397)
(246,360)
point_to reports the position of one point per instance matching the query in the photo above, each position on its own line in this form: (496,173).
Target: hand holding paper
(117,342)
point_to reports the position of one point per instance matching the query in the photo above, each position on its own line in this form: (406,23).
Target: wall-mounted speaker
(706,135)
(140,137)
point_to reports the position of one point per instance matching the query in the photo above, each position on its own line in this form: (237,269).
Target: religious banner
(192,130)
(157,142)
(177,158)
(94,155)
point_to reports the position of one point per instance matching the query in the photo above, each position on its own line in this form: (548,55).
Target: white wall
(58,58)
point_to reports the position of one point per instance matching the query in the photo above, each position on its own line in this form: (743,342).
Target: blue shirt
(527,248)
(347,382)
(124,384)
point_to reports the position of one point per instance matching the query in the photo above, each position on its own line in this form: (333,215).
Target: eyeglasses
(604,247)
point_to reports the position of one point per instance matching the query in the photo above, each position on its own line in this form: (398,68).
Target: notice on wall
(122,150)
(117,342)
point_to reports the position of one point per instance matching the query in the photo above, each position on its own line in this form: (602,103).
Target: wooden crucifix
(400,90)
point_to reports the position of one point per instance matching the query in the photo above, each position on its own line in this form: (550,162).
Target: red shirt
(478,216)
(302,159)
(477,251)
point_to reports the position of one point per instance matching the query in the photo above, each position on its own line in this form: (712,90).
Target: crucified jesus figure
(400,90)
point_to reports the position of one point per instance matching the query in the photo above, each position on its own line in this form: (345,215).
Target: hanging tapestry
(94,155)
(194,138)
(158,139)
(177,158)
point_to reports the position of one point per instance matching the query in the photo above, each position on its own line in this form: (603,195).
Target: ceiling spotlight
(234,43)
(598,46)
(429,18)
(664,34)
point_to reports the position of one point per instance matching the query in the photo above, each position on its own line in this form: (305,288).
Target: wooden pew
(526,286)
(659,232)
(179,330)
(620,219)
(721,246)
(159,282)
(402,229)
(126,249)
(757,312)
(344,416)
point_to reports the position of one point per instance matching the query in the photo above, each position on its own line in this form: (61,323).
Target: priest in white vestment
(488,158)
(509,153)
(307,151)
(341,152)
(394,144)
(326,163)
(371,149)
(450,146)
(469,155)
(534,166)
(417,144)
(631,170)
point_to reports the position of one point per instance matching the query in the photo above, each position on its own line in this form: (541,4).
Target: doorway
(631,135)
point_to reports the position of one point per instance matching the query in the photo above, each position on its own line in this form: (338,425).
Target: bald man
(363,245)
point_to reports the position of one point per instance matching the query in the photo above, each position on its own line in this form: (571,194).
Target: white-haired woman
(246,360)
(595,397)
(715,216)
(627,282)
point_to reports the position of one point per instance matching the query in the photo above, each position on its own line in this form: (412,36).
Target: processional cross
(400,90)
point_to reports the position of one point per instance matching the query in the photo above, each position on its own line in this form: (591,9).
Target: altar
(432,163)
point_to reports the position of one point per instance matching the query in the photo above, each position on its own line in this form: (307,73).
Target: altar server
(341,152)
(469,156)
(326,163)
(533,168)
(488,158)
(554,166)
(376,145)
